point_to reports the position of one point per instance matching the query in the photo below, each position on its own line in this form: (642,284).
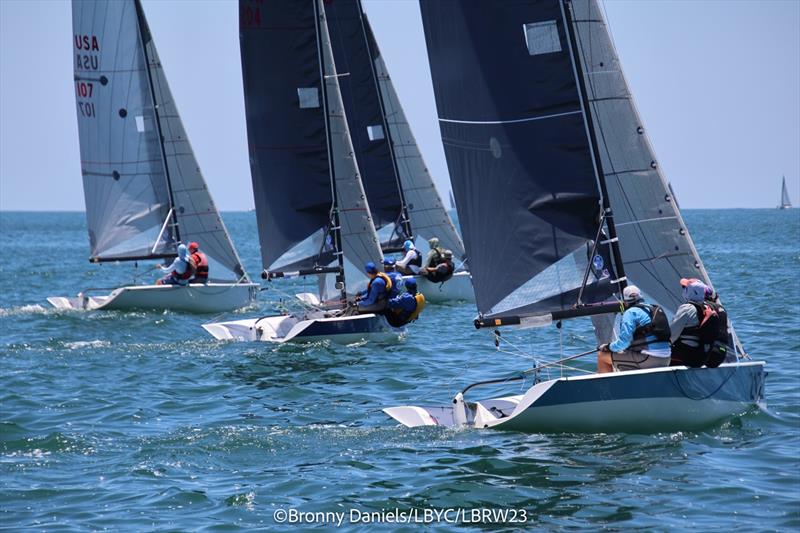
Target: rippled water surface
(138,420)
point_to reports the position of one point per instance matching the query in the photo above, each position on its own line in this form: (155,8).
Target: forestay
(518,153)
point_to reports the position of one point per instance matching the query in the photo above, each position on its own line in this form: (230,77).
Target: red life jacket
(201,266)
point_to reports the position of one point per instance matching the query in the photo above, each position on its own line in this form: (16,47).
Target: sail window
(140,123)
(309,97)
(542,37)
(375,133)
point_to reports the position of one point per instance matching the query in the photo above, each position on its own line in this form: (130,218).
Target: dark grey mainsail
(542,133)
(311,206)
(365,118)
(143,187)
(401,192)
(519,154)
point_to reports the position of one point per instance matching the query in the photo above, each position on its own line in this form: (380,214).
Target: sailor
(396,277)
(643,339)
(374,298)
(435,255)
(405,307)
(696,326)
(200,263)
(180,271)
(442,271)
(411,263)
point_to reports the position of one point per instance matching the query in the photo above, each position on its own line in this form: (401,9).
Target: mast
(405,219)
(142,25)
(336,225)
(608,215)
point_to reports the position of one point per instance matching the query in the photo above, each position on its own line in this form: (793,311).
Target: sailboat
(403,199)
(314,218)
(143,188)
(562,204)
(785,202)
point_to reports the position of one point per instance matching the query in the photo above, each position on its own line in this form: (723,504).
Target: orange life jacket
(201,266)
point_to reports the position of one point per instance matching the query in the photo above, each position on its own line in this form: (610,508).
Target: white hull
(313,327)
(458,288)
(639,401)
(196,298)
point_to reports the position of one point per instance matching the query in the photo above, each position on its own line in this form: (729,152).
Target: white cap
(631,293)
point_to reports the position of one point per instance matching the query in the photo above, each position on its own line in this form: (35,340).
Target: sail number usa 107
(87,58)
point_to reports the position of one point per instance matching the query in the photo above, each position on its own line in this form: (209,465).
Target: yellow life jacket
(386,279)
(420,298)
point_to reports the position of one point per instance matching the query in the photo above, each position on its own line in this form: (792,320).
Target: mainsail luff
(359,242)
(528,210)
(195,215)
(352,52)
(656,248)
(286,133)
(146,42)
(425,206)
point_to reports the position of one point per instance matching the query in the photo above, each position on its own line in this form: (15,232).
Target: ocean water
(140,421)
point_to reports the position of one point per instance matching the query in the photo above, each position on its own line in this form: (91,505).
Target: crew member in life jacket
(411,263)
(722,349)
(697,326)
(435,254)
(396,277)
(443,270)
(180,271)
(200,263)
(643,339)
(405,307)
(375,297)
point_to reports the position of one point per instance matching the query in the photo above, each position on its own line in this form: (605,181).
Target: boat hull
(194,298)
(640,401)
(458,288)
(308,328)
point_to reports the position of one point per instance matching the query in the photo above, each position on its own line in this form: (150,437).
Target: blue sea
(140,421)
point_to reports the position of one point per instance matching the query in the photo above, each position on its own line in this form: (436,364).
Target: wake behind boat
(143,187)
(544,142)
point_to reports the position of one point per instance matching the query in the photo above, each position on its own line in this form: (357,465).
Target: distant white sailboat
(785,202)
(562,204)
(143,187)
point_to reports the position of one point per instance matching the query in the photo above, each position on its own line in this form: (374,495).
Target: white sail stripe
(513,121)
(643,220)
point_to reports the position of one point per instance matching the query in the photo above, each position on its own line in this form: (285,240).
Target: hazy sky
(717,84)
